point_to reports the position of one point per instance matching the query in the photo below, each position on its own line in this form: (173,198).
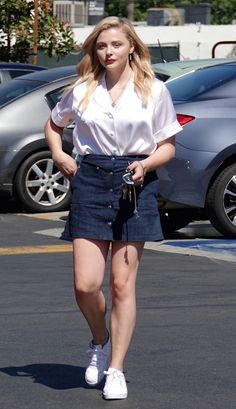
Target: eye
(101,46)
(117,44)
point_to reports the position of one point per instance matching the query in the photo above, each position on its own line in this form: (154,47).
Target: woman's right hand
(65,163)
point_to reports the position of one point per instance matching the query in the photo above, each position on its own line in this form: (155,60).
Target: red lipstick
(109,61)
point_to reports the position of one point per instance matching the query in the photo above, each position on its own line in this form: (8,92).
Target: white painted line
(56,232)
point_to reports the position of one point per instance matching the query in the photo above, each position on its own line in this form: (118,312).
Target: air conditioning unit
(72,12)
(164,16)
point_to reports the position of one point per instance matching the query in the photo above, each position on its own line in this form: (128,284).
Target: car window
(194,84)
(17,73)
(227,90)
(54,96)
(161,76)
(14,89)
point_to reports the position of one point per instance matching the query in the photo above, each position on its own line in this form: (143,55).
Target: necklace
(114,100)
(116,92)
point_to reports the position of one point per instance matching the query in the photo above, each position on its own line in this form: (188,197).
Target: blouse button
(110,116)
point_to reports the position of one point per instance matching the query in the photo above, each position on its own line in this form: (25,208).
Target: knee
(83,288)
(120,289)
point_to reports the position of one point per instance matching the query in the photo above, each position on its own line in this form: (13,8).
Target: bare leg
(89,266)
(124,266)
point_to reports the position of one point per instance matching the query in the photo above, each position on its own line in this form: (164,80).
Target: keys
(125,191)
(127,188)
(130,194)
(127,177)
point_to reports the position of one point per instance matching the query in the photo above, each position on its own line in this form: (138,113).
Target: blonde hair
(90,69)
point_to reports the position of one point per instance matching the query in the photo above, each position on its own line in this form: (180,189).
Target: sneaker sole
(111,397)
(94,383)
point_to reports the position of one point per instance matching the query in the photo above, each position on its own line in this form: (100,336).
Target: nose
(109,51)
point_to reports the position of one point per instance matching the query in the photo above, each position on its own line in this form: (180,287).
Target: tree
(222,11)
(120,8)
(11,12)
(17,25)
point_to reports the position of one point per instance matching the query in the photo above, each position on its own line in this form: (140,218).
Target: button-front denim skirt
(101,211)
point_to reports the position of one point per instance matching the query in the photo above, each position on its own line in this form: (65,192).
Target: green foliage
(17,24)
(223,11)
(55,38)
(116,8)
(12,11)
(119,8)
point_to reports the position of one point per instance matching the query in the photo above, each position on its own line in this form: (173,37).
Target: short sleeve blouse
(128,128)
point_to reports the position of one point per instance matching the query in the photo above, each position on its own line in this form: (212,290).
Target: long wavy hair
(90,69)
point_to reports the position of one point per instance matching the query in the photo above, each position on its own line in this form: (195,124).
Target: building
(183,33)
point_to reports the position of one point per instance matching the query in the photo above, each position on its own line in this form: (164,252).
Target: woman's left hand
(138,172)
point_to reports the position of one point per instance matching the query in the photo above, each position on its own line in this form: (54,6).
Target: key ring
(127,177)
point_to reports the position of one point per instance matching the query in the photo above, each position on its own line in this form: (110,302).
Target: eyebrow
(104,42)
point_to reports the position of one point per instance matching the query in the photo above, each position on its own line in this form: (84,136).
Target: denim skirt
(102,208)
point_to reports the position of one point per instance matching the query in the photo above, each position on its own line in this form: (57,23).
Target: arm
(164,127)
(164,153)
(64,162)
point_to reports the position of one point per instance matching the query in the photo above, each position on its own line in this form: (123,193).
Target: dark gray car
(26,169)
(10,70)
(203,174)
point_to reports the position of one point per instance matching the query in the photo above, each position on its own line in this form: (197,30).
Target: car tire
(174,219)
(40,186)
(221,202)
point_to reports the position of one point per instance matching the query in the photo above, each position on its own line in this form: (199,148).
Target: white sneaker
(115,386)
(98,362)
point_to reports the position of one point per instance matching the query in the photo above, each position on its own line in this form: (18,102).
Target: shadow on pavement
(10,206)
(55,376)
(196,230)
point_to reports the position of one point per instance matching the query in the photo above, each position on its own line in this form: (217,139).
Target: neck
(120,79)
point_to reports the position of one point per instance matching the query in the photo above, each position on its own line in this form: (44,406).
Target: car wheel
(172,220)
(221,202)
(40,186)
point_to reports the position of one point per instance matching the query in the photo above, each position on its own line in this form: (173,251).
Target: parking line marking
(6,251)
(192,251)
(54,216)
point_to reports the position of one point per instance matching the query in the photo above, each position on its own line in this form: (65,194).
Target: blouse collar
(101,95)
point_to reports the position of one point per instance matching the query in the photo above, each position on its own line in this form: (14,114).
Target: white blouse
(128,128)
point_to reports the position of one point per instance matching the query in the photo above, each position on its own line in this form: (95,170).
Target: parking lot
(183,352)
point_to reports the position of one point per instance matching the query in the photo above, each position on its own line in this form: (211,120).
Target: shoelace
(114,375)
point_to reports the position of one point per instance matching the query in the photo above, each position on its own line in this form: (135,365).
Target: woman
(124,130)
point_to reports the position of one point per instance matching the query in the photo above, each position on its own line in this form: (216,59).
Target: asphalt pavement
(183,352)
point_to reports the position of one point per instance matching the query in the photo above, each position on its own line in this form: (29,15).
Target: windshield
(15,88)
(194,84)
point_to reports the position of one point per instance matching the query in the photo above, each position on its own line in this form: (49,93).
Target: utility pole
(35,58)
(130,10)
